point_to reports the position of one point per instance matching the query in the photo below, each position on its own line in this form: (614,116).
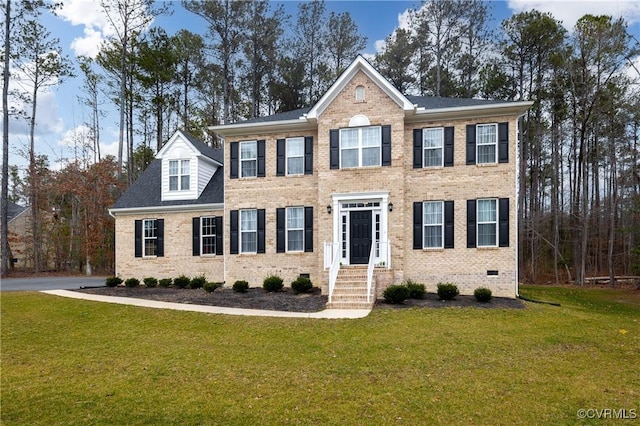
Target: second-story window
(486,142)
(249,159)
(295,156)
(179,175)
(360,147)
(432,142)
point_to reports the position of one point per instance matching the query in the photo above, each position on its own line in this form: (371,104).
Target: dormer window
(179,175)
(360,94)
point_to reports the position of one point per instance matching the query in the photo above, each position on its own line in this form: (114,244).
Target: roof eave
(474,111)
(165,209)
(302,123)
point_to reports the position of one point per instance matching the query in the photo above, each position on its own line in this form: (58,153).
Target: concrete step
(349,305)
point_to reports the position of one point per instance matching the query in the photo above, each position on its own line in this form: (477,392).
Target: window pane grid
(432,141)
(360,147)
(150,237)
(179,173)
(295,156)
(487,222)
(249,159)
(432,223)
(208,234)
(249,231)
(295,229)
(486,141)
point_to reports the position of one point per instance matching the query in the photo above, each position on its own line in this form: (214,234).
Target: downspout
(115,236)
(517,227)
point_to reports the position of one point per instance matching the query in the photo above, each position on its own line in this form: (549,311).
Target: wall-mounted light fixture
(390,207)
(329,208)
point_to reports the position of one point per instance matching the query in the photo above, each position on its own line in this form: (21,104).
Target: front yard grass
(72,362)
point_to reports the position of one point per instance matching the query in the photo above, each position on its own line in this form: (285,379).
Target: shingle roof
(146,191)
(434,102)
(14,210)
(206,150)
(282,116)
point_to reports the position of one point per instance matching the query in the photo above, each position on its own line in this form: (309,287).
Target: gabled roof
(199,146)
(360,64)
(13,210)
(146,191)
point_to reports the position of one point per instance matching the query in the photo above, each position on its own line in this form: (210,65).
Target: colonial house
(366,188)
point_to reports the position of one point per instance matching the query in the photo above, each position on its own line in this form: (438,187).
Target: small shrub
(396,293)
(301,285)
(197,282)
(113,281)
(150,282)
(182,281)
(132,282)
(447,291)
(210,287)
(165,282)
(416,290)
(240,286)
(273,283)
(482,294)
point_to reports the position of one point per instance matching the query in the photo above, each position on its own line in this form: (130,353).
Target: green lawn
(71,362)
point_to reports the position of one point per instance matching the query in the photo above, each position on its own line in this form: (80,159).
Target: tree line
(579,193)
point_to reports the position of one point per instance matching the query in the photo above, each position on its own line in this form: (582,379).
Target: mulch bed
(285,300)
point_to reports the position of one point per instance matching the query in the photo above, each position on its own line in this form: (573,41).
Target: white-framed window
(179,175)
(249,231)
(361,147)
(295,156)
(249,159)
(433,224)
(486,143)
(208,235)
(150,237)
(295,228)
(432,144)
(487,222)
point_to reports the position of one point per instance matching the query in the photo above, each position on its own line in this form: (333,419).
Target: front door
(360,236)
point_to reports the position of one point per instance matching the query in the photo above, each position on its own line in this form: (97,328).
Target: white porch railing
(372,263)
(384,254)
(333,249)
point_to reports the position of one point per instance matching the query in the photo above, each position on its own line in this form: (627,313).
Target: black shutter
(233,231)
(417,149)
(261,159)
(471,144)
(308,155)
(280,230)
(417,225)
(160,237)
(386,145)
(471,223)
(219,235)
(261,234)
(138,238)
(234,160)
(281,150)
(503,222)
(448,146)
(308,229)
(448,224)
(334,149)
(195,235)
(503,142)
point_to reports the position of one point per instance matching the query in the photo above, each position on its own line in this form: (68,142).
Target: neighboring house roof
(146,191)
(13,210)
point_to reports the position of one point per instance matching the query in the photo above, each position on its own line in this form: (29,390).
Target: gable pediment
(359,65)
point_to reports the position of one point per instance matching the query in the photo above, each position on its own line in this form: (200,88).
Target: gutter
(165,209)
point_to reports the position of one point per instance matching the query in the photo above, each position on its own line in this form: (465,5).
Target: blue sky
(80,28)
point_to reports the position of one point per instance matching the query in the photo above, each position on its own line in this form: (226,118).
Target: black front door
(360,231)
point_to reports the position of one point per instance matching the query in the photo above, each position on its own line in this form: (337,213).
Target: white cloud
(569,11)
(89,45)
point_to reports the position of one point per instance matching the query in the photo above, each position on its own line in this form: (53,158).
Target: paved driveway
(49,283)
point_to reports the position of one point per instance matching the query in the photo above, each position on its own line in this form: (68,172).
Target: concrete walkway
(326,314)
